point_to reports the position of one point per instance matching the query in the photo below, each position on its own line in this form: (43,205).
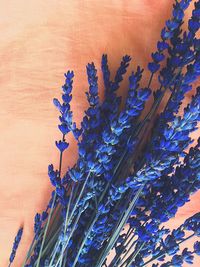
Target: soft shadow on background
(39,41)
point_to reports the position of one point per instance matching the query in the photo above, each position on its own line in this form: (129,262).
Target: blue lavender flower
(187,256)
(109,85)
(67,124)
(105,71)
(177,261)
(194,22)
(193,224)
(15,245)
(168,33)
(62,145)
(136,97)
(92,96)
(53,175)
(37,225)
(197,247)
(110,105)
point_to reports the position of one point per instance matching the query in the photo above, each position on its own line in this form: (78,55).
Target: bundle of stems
(133,172)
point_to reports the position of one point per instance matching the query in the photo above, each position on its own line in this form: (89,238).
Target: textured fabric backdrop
(39,41)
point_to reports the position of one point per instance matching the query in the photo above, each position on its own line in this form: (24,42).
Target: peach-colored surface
(39,41)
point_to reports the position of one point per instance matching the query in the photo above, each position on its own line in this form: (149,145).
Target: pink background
(39,41)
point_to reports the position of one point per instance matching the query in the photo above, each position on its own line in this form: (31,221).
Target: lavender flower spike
(15,246)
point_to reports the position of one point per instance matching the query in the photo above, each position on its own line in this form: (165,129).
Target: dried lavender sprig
(112,86)
(15,245)
(65,127)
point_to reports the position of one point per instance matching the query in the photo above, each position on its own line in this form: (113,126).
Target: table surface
(39,41)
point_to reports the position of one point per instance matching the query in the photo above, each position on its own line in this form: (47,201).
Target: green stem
(66,219)
(132,256)
(71,233)
(45,232)
(53,254)
(56,220)
(51,211)
(69,220)
(29,251)
(118,229)
(34,241)
(79,197)
(92,222)
(52,240)
(150,80)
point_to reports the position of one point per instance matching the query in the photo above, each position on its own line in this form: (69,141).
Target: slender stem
(150,80)
(130,259)
(70,235)
(34,241)
(65,225)
(51,242)
(119,260)
(84,240)
(68,221)
(65,260)
(29,251)
(125,245)
(79,197)
(53,226)
(76,192)
(51,211)
(54,252)
(45,232)
(118,228)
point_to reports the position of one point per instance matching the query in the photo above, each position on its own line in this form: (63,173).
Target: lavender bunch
(127,174)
